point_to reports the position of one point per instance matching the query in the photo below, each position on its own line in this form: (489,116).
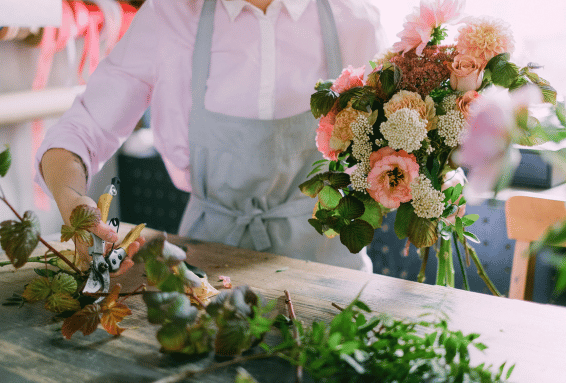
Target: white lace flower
(427,201)
(449,102)
(404,129)
(452,127)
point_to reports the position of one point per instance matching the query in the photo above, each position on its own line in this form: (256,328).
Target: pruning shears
(102,265)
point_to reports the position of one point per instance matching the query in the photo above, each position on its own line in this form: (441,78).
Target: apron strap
(203,45)
(330,38)
(201,53)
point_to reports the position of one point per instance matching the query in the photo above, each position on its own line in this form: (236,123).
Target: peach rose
(466,73)
(390,176)
(465,101)
(349,78)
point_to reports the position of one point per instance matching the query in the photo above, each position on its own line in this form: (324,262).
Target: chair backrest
(528,217)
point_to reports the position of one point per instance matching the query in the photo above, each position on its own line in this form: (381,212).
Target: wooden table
(32,348)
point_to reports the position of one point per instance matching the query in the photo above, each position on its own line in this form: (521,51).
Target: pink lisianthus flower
(390,176)
(349,78)
(487,151)
(420,25)
(324,134)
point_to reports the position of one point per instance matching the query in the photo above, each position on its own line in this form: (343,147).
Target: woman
(229,83)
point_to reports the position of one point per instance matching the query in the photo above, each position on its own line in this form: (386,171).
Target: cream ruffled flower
(412,100)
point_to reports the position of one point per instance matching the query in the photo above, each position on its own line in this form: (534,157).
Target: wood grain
(32,348)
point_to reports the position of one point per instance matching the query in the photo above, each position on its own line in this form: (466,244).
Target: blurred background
(147,194)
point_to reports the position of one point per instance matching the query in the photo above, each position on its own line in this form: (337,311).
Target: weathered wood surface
(32,349)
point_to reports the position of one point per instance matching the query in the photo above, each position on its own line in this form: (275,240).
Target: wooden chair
(527,218)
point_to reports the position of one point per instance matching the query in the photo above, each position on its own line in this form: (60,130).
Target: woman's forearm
(65,176)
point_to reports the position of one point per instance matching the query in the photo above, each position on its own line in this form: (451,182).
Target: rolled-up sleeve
(116,96)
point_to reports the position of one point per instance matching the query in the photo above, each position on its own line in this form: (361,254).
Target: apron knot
(252,219)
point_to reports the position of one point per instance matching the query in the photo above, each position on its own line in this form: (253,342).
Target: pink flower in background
(420,24)
(487,151)
(466,73)
(391,175)
(484,38)
(349,78)
(324,134)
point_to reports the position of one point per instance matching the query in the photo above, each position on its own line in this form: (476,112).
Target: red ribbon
(88,20)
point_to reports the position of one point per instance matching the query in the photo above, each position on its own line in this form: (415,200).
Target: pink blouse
(263,66)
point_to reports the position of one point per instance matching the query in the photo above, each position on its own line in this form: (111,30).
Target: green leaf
(471,237)
(497,60)
(232,338)
(151,250)
(84,217)
(469,219)
(357,235)
(181,312)
(350,208)
(64,283)
(389,78)
(338,179)
(422,232)
(329,197)
(312,187)
(509,372)
(61,302)
(38,289)
(480,346)
(322,102)
(372,211)
(172,336)
(19,239)
(404,214)
(317,225)
(504,73)
(5,161)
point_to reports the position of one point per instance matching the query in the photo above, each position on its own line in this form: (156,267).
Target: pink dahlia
(349,78)
(391,175)
(420,25)
(484,38)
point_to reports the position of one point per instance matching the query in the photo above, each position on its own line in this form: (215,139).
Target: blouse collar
(295,7)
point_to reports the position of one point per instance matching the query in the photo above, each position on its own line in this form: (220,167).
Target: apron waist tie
(252,218)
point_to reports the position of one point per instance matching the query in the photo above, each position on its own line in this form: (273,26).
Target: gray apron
(245,172)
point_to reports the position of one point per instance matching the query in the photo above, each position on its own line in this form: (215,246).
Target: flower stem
(461,260)
(289,302)
(424,254)
(481,271)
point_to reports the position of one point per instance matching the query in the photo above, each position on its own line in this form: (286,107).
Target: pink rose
(391,175)
(465,101)
(466,73)
(349,78)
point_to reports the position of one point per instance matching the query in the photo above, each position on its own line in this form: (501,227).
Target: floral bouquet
(394,140)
